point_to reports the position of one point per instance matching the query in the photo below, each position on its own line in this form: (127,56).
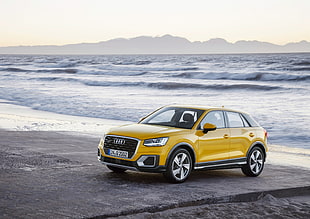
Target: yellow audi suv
(175,140)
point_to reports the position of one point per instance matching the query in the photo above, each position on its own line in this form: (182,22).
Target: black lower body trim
(222,164)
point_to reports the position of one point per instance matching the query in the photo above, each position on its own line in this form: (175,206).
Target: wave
(56,79)
(190,73)
(60,70)
(176,85)
(111,84)
(161,85)
(155,68)
(176,69)
(139,62)
(78,71)
(300,69)
(114,73)
(165,85)
(302,63)
(57,64)
(14,69)
(258,76)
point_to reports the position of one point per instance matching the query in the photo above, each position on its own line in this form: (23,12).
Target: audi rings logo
(119,141)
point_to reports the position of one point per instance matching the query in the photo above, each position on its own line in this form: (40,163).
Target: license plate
(118,153)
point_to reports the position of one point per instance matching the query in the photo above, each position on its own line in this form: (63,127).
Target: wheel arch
(185,146)
(261,146)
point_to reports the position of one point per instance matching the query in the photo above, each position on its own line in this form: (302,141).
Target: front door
(214,145)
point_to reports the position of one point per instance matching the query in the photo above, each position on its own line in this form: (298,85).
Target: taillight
(266,133)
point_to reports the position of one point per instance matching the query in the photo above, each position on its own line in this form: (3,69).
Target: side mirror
(208,127)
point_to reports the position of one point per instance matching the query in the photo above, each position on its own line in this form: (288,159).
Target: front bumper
(145,163)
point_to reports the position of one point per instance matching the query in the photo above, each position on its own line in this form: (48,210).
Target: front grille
(120,143)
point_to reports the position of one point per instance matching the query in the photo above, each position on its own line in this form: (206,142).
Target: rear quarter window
(250,120)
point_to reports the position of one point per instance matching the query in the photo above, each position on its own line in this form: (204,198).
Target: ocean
(273,88)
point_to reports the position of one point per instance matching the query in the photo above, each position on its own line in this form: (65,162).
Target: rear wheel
(255,162)
(116,169)
(179,166)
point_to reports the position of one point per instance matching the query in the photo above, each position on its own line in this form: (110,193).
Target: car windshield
(174,116)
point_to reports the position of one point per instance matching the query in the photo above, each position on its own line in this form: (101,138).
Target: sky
(60,22)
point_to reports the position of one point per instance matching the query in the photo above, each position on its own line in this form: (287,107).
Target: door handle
(226,136)
(251,135)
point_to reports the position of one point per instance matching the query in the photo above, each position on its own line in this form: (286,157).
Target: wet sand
(266,207)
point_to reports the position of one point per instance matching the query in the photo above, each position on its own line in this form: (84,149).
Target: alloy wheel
(181,166)
(256,161)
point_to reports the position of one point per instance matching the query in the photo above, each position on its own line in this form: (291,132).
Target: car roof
(206,108)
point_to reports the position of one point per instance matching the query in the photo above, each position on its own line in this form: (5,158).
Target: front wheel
(255,162)
(179,166)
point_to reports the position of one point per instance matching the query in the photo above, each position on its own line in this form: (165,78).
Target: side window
(215,118)
(234,120)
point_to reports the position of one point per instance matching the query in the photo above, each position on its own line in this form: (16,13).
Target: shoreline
(20,118)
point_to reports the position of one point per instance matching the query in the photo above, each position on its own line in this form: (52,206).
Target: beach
(49,169)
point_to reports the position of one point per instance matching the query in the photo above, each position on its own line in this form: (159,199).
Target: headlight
(155,142)
(101,142)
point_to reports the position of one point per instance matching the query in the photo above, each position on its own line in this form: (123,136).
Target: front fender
(183,145)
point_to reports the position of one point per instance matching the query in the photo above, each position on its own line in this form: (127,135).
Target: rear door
(241,134)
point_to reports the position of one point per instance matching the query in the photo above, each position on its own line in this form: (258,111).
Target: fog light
(99,155)
(147,161)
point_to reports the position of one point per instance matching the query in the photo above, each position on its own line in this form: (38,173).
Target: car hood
(143,131)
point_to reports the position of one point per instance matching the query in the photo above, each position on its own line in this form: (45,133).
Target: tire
(116,169)
(179,166)
(255,162)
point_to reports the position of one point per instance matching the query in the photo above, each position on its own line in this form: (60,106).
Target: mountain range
(166,44)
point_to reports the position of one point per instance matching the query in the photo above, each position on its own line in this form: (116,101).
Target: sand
(266,207)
